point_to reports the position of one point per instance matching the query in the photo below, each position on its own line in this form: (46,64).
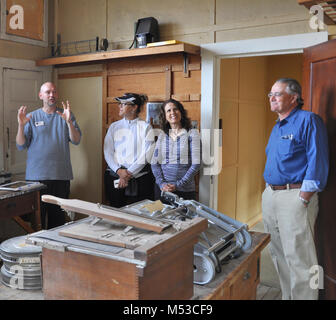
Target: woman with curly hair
(177,155)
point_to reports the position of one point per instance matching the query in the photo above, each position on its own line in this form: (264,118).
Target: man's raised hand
(22,116)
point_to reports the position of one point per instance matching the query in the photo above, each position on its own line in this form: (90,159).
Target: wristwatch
(304,200)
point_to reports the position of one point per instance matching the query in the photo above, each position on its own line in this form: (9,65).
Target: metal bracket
(95,221)
(186,72)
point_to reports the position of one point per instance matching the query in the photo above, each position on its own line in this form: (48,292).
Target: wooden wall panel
(150,84)
(112,113)
(242,110)
(150,64)
(190,85)
(247,122)
(319,88)
(160,77)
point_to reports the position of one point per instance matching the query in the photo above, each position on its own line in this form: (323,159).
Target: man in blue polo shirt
(296,170)
(46,133)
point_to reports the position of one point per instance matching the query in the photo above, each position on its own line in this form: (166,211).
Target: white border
(5,36)
(211,55)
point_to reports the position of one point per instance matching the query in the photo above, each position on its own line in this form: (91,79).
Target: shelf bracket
(186,72)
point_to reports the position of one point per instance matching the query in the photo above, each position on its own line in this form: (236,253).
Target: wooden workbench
(158,267)
(14,204)
(239,278)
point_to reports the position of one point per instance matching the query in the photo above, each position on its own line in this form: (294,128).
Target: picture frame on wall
(153,112)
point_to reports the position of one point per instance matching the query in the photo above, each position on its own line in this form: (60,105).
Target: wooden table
(239,278)
(14,204)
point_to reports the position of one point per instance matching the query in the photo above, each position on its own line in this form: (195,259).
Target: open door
(319,92)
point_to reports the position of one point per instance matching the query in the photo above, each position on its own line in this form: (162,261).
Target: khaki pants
(292,247)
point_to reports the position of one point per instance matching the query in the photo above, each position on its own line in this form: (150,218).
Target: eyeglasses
(275,94)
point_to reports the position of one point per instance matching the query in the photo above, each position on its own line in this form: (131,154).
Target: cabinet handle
(247,276)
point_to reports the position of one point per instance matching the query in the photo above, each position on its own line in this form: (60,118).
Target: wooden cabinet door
(319,92)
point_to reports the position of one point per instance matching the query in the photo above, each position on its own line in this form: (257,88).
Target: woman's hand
(169,187)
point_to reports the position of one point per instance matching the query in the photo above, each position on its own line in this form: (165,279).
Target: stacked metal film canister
(21,264)
(5,177)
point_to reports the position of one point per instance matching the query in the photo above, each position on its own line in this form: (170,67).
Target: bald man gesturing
(46,133)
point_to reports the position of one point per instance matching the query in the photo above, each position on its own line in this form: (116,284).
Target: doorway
(246,125)
(20,81)
(212,55)
(20,88)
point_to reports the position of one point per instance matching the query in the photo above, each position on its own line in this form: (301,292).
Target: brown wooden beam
(118,54)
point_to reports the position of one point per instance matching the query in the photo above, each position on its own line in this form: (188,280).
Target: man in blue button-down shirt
(296,170)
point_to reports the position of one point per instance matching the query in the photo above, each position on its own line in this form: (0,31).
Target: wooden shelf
(117,54)
(329,9)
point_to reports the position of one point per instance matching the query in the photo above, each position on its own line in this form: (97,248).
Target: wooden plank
(168,82)
(191,85)
(148,251)
(152,64)
(136,70)
(149,84)
(23,224)
(173,274)
(104,129)
(148,69)
(37,221)
(306,2)
(195,97)
(103,232)
(92,209)
(71,275)
(117,54)
(181,97)
(80,75)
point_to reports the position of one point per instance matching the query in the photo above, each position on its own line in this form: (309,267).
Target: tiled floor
(268,293)
(7,293)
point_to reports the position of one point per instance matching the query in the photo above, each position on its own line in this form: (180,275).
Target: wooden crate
(160,269)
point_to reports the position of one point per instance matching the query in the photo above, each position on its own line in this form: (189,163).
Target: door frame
(211,54)
(16,64)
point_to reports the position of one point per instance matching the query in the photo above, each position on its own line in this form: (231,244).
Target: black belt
(287,186)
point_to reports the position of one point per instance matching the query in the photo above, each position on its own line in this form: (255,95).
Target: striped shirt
(177,161)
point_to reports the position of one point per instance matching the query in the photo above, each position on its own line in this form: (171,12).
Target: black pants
(185,195)
(117,197)
(51,214)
